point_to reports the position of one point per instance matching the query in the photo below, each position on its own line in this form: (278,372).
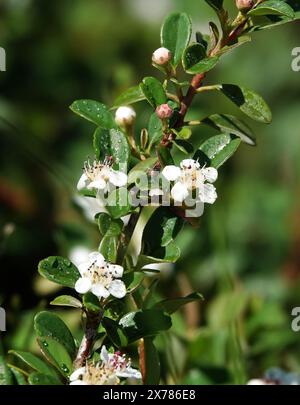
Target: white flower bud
(244,5)
(125,116)
(161,56)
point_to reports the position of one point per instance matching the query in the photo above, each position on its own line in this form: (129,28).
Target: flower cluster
(100,277)
(100,176)
(112,367)
(191,177)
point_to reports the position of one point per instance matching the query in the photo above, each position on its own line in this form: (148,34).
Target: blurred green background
(245,257)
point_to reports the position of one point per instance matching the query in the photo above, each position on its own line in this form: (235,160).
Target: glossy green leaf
(91,302)
(59,270)
(172,305)
(192,55)
(109,226)
(155,131)
(183,146)
(205,65)
(175,34)
(153,91)
(48,324)
(248,101)
(56,354)
(118,203)
(164,156)
(185,133)
(272,7)
(109,248)
(130,96)
(232,125)
(115,332)
(19,375)
(152,363)
(95,112)
(42,379)
(6,376)
(34,362)
(112,142)
(133,280)
(215,4)
(66,301)
(218,149)
(144,323)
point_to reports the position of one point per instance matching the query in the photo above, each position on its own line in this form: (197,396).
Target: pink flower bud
(244,5)
(161,56)
(164,111)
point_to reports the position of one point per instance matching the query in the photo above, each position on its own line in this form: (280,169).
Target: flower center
(99,374)
(191,177)
(99,275)
(97,170)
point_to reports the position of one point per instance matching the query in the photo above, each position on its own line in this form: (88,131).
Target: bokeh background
(244,258)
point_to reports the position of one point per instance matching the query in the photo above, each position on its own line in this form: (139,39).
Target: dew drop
(45,344)
(64,368)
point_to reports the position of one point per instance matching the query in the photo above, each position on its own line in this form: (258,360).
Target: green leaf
(272,7)
(152,363)
(66,301)
(185,133)
(170,254)
(91,302)
(248,101)
(115,332)
(109,248)
(48,324)
(112,142)
(133,280)
(175,34)
(34,362)
(140,324)
(95,112)
(183,146)
(192,55)
(6,376)
(205,65)
(164,156)
(153,91)
(141,169)
(232,125)
(155,130)
(59,270)
(130,96)
(118,203)
(56,354)
(215,4)
(218,149)
(18,374)
(109,226)
(42,379)
(172,305)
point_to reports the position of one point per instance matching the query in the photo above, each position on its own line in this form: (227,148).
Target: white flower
(112,367)
(161,56)
(125,116)
(189,177)
(257,381)
(99,176)
(99,277)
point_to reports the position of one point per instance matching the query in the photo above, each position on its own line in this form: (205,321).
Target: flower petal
(207,193)
(179,192)
(171,172)
(118,179)
(129,373)
(100,291)
(83,182)
(189,164)
(104,354)
(83,285)
(98,184)
(78,382)
(77,373)
(115,270)
(117,289)
(97,258)
(210,174)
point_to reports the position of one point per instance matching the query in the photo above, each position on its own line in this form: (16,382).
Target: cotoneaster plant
(144,199)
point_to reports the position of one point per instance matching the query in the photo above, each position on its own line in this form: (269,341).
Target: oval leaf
(48,324)
(56,354)
(171,306)
(248,101)
(175,34)
(95,112)
(130,96)
(59,270)
(153,91)
(34,362)
(66,301)
(42,379)
(273,7)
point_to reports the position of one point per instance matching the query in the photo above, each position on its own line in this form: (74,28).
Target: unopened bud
(161,56)
(244,5)
(164,111)
(125,116)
